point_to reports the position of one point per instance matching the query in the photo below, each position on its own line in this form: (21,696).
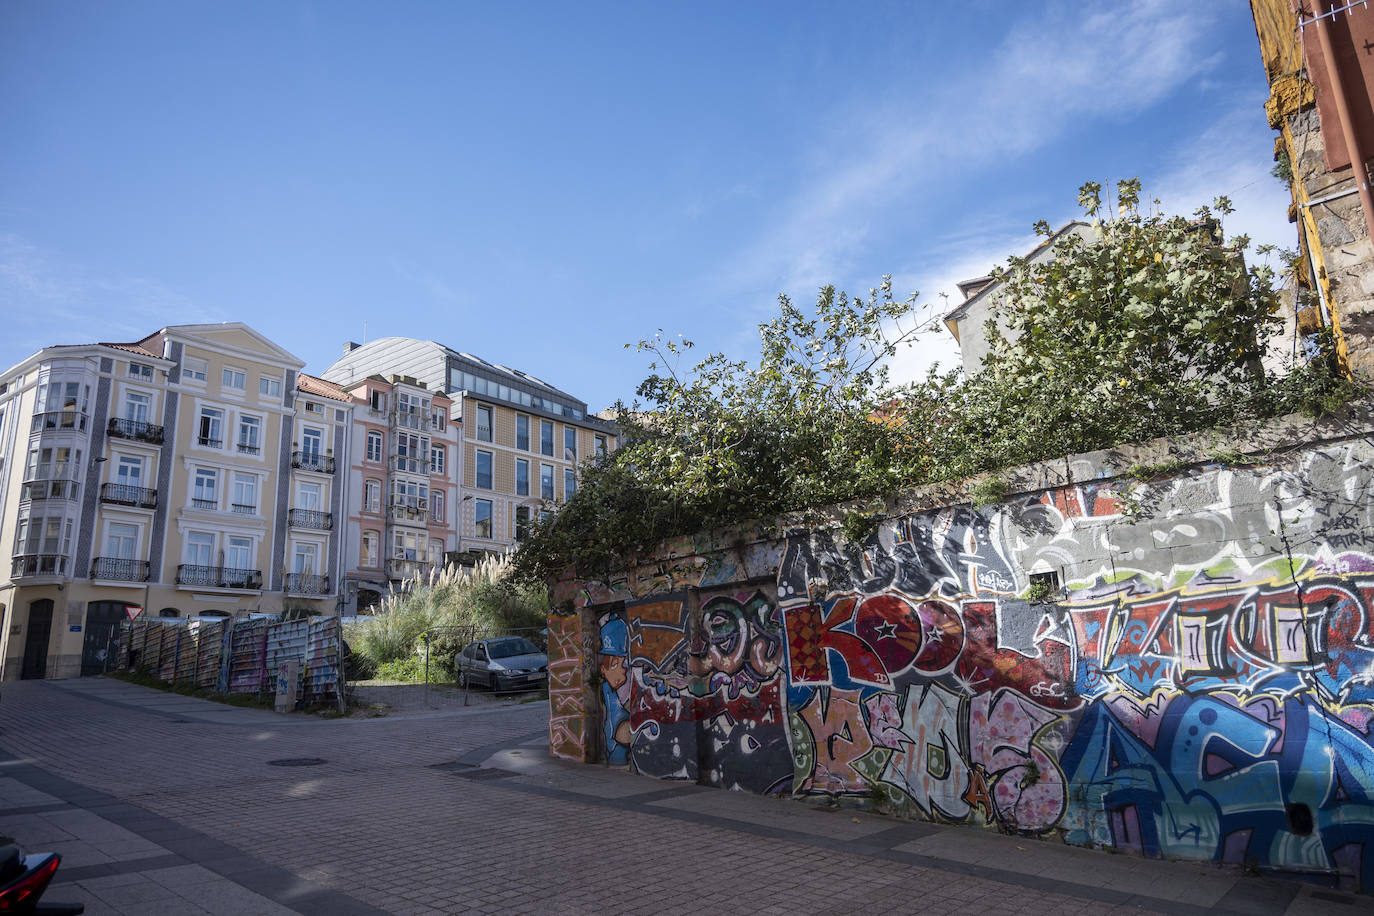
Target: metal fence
(238,656)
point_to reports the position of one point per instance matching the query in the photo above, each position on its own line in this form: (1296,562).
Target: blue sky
(541,183)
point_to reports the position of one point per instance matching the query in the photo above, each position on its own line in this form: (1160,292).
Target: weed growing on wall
(1153,328)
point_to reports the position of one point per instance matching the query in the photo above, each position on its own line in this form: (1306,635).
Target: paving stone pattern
(165,804)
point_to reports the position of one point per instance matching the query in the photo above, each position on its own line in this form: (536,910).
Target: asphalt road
(163,804)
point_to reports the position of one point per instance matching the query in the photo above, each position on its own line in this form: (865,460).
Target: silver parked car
(503,663)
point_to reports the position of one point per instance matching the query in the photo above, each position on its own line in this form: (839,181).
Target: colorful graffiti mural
(567,735)
(1201,686)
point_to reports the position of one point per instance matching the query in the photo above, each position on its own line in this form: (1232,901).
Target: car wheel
(463,679)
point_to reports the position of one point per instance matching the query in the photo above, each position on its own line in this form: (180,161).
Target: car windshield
(509,648)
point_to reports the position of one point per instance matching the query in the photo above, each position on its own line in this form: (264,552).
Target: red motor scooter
(23,879)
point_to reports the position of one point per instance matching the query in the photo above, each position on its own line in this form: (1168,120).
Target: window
(129,471)
(437,420)
(410,494)
(245,499)
(205,495)
(570,443)
(239,553)
(373,496)
(374,446)
(370,541)
(483,423)
(194,369)
(121,541)
(600,446)
(141,371)
(269,387)
(436,507)
(137,406)
(408,545)
(310,441)
(211,427)
(377,401)
(545,437)
(522,477)
(569,483)
(482,507)
(437,454)
(308,496)
(234,378)
(411,452)
(303,559)
(483,479)
(522,522)
(522,432)
(64,406)
(314,407)
(250,435)
(199,549)
(546,481)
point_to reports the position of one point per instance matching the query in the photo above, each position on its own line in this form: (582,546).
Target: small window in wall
(600,446)
(234,378)
(522,477)
(482,478)
(483,423)
(1044,588)
(269,387)
(482,508)
(546,481)
(570,443)
(141,371)
(374,446)
(194,369)
(522,432)
(545,437)
(169,612)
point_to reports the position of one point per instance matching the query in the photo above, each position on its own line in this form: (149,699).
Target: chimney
(350,346)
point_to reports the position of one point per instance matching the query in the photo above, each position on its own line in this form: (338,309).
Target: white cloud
(59,299)
(1047,75)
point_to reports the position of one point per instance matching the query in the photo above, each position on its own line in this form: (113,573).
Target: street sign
(133,611)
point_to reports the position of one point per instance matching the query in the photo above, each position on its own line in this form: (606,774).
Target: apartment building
(522,441)
(403,486)
(191,473)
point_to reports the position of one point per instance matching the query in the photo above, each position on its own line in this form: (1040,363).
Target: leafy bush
(1153,328)
(483,598)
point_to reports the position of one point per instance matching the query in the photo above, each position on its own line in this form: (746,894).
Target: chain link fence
(445,687)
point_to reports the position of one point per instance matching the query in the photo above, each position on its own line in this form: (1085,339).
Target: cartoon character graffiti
(615,689)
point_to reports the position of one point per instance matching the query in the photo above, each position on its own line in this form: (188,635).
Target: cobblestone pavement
(163,804)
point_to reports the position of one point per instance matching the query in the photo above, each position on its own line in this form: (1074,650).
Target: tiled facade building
(522,440)
(192,473)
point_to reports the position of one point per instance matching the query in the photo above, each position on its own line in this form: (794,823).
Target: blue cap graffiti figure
(615,689)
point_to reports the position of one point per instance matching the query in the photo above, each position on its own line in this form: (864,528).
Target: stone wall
(1180,668)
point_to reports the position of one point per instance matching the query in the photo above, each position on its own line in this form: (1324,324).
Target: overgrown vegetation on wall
(1154,329)
(454,601)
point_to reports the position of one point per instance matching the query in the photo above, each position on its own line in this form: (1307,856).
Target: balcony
(137,430)
(407,569)
(403,513)
(58,419)
(407,463)
(120,494)
(208,442)
(310,518)
(306,584)
(206,505)
(49,488)
(249,448)
(38,564)
(218,576)
(116,569)
(312,461)
(243,509)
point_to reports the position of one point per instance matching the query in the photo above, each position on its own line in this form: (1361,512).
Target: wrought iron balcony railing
(310,518)
(209,442)
(138,430)
(117,569)
(249,448)
(209,505)
(121,494)
(58,419)
(243,509)
(38,564)
(313,461)
(307,584)
(49,488)
(218,576)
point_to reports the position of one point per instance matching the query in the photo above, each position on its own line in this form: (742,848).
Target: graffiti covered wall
(1186,673)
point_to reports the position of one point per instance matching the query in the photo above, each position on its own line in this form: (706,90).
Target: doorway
(35,665)
(103,620)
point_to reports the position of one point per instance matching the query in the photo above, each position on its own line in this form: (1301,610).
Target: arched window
(374,446)
(221,614)
(169,612)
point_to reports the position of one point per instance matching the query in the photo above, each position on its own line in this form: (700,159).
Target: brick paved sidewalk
(463,811)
